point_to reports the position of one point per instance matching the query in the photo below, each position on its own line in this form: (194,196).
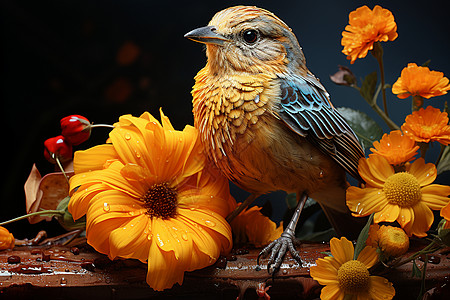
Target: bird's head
(249,39)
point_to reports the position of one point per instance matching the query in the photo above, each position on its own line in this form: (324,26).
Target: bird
(267,122)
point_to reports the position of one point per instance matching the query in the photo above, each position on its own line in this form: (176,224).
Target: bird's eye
(250,36)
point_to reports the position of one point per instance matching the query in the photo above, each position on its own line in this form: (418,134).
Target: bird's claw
(277,250)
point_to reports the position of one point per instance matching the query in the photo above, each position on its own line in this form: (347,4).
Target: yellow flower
(420,81)
(395,147)
(254,227)
(406,197)
(366,27)
(445,213)
(150,195)
(341,274)
(6,239)
(426,125)
(392,241)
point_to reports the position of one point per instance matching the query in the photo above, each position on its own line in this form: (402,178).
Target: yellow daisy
(367,26)
(150,195)
(406,197)
(342,275)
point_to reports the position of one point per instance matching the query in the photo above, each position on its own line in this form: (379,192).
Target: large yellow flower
(255,228)
(406,197)
(366,27)
(395,147)
(341,274)
(420,81)
(150,195)
(426,125)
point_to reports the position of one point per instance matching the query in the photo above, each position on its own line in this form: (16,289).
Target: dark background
(60,58)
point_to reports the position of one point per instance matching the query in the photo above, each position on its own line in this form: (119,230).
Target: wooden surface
(73,272)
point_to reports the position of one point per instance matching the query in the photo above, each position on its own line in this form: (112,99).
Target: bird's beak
(206,35)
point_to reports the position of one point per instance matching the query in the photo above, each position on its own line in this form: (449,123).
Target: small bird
(267,122)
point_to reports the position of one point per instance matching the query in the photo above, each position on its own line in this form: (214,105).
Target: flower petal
(389,214)
(129,240)
(93,158)
(324,271)
(365,201)
(435,196)
(425,173)
(331,292)
(423,218)
(341,249)
(375,170)
(368,256)
(380,288)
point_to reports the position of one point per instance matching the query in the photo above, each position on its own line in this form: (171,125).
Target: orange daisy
(342,275)
(426,125)
(6,239)
(395,147)
(366,27)
(255,228)
(150,195)
(406,197)
(420,81)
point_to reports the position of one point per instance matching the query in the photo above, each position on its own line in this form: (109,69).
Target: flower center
(353,277)
(402,189)
(161,201)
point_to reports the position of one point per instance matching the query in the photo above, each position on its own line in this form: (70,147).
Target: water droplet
(210,223)
(106,207)
(160,241)
(127,136)
(180,140)
(256,99)
(184,236)
(149,236)
(63,281)
(138,155)
(167,161)
(321,174)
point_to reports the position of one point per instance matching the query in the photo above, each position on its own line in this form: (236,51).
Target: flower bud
(76,129)
(6,239)
(392,241)
(344,77)
(57,147)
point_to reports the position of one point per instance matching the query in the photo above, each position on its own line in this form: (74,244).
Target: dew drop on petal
(184,236)
(127,136)
(210,223)
(106,207)
(149,236)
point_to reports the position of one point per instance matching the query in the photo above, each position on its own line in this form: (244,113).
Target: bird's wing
(307,110)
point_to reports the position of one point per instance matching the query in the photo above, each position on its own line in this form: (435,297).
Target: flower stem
(102,125)
(377,52)
(38,213)
(58,162)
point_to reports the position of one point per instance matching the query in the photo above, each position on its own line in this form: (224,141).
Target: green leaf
(416,271)
(367,130)
(444,162)
(362,238)
(368,87)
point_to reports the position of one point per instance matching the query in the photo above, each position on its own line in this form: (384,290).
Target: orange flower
(395,147)
(254,227)
(445,213)
(342,275)
(366,27)
(150,195)
(426,125)
(392,241)
(420,81)
(406,197)
(6,239)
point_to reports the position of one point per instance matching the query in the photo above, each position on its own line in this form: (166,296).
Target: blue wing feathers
(306,109)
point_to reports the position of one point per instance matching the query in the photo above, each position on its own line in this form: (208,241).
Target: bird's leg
(241,207)
(278,248)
